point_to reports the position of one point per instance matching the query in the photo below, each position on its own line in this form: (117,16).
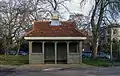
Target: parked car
(103,55)
(12,52)
(2,52)
(86,54)
(23,53)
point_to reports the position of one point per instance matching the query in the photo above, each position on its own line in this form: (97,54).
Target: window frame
(40,44)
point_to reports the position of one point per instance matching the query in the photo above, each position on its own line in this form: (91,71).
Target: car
(23,53)
(103,55)
(2,52)
(86,54)
(12,52)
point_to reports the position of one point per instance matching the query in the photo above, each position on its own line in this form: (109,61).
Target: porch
(55,52)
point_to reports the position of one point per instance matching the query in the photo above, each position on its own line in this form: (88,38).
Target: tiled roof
(44,29)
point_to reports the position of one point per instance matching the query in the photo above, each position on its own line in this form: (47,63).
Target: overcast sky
(74,6)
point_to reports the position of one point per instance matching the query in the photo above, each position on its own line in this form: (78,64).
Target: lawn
(97,62)
(21,60)
(13,60)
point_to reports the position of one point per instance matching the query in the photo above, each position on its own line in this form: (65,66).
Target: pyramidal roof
(44,29)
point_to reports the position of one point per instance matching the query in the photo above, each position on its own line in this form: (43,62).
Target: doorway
(49,53)
(62,53)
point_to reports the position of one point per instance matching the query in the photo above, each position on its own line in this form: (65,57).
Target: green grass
(21,60)
(13,60)
(96,62)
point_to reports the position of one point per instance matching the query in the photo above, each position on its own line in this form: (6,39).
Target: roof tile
(44,29)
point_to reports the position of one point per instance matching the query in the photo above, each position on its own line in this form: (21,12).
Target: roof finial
(55,19)
(55,15)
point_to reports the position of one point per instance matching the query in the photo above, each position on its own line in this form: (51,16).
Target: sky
(74,7)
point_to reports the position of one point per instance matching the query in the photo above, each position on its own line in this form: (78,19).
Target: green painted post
(55,52)
(67,52)
(80,51)
(43,50)
(30,50)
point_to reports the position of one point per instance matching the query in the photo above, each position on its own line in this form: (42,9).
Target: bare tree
(16,15)
(13,18)
(55,5)
(98,16)
(81,20)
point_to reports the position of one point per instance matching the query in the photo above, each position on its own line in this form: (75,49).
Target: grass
(22,60)
(97,62)
(13,60)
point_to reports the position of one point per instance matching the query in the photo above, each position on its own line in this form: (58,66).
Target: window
(114,31)
(73,47)
(108,39)
(36,47)
(108,31)
(114,40)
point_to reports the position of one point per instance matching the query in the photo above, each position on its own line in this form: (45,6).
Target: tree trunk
(18,49)
(5,54)
(5,49)
(95,43)
(95,49)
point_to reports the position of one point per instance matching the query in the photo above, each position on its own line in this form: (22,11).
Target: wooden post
(55,52)
(30,49)
(43,49)
(80,51)
(68,51)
